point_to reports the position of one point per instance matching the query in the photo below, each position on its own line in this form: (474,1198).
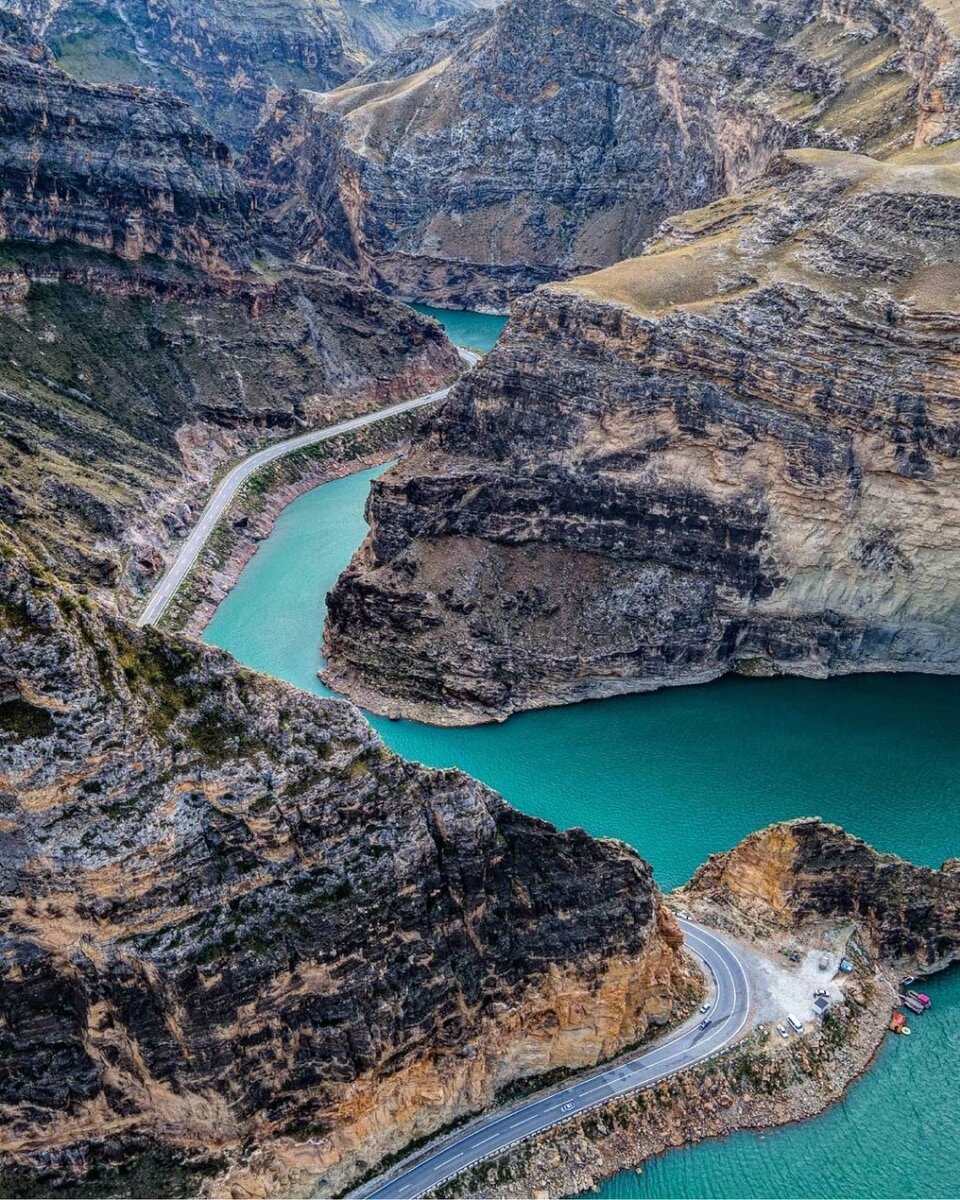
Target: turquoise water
(680,774)
(476,331)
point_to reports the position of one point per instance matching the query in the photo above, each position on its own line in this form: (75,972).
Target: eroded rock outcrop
(798,872)
(736,452)
(228,59)
(232,920)
(126,170)
(551,137)
(125,386)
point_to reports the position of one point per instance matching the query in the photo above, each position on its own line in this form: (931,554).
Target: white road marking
(643,1072)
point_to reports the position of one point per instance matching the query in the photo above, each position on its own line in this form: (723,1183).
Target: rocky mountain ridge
(551,137)
(233,920)
(125,386)
(229,60)
(734,453)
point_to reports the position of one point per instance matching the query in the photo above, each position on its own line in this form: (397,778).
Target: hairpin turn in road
(493,1134)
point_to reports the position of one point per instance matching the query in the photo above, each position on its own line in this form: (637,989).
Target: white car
(705,1007)
(782,1030)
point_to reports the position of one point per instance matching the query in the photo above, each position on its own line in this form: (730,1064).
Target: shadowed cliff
(736,452)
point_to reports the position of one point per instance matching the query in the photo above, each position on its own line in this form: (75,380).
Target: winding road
(218,503)
(490,1135)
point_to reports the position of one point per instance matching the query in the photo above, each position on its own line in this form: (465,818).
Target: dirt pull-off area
(810,909)
(766,1079)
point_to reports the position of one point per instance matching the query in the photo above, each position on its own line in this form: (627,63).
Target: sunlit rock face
(551,137)
(229,60)
(737,452)
(799,872)
(233,920)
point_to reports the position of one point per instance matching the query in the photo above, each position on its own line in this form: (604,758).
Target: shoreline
(254,511)
(707,1102)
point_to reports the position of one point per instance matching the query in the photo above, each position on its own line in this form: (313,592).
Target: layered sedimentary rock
(737,452)
(139,346)
(551,137)
(126,170)
(230,58)
(798,885)
(233,922)
(124,386)
(796,872)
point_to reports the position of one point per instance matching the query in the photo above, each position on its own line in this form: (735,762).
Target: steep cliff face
(123,388)
(232,920)
(800,871)
(737,452)
(139,348)
(552,136)
(125,170)
(229,59)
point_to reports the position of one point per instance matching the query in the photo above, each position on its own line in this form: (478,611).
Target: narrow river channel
(680,774)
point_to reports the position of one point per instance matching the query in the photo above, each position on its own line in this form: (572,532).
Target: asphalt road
(175,574)
(489,1136)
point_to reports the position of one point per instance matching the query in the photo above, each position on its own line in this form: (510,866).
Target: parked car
(782,1030)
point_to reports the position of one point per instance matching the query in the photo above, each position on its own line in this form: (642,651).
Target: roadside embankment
(254,511)
(817,916)
(764,1081)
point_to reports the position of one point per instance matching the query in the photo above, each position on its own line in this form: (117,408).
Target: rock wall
(125,170)
(230,59)
(232,920)
(553,136)
(736,452)
(802,871)
(126,386)
(759,1084)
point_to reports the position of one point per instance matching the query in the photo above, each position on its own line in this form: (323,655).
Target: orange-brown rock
(801,871)
(232,922)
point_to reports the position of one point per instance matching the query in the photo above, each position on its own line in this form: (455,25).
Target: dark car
(705,1023)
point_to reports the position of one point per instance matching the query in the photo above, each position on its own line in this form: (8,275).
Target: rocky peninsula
(795,896)
(734,453)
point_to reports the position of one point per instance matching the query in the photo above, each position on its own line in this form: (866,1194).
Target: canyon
(143,343)
(548,138)
(736,452)
(230,61)
(246,948)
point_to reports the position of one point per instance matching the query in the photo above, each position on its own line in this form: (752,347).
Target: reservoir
(476,331)
(680,774)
